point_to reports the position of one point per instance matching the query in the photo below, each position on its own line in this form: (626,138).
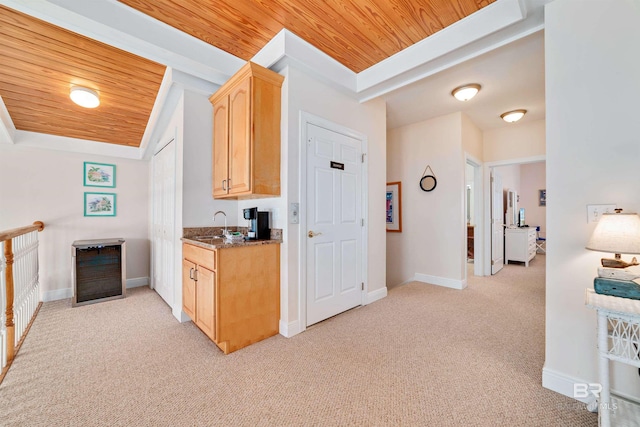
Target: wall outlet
(594,212)
(294,213)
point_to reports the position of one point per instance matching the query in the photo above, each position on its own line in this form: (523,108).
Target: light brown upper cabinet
(246,134)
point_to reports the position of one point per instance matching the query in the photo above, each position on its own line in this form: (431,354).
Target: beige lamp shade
(617,233)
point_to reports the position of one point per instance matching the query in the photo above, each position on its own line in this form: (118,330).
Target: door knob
(312,234)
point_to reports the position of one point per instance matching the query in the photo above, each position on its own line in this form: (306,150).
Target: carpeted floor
(423,356)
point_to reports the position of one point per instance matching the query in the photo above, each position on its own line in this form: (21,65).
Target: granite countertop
(206,237)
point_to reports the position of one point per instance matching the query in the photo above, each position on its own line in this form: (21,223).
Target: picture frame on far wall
(394,206)
(542,197)
(99,204)
(99,175)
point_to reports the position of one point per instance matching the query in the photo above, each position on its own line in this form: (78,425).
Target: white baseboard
(440,281)
(65,293)
(289,329)
(403,283)
(57,294)
(376,295)
(180,315)
(137,282)
(563,384)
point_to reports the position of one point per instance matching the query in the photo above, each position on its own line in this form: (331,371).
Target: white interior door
(164,195)
(334,223)
(497,222)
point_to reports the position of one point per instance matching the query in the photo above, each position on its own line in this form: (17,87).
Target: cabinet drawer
(200,256)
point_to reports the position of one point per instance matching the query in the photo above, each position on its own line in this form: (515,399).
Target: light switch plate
(294,213)
(594,212)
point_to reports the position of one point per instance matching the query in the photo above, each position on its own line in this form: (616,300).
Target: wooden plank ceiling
(40,62)
(357,33)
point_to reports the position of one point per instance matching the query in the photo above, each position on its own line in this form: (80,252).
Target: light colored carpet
(423,356)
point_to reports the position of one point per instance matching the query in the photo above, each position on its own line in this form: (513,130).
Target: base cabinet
(232,294)
(189,288)
(519,245)
(205,318)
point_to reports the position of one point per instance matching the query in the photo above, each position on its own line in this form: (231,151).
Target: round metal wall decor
(428,182)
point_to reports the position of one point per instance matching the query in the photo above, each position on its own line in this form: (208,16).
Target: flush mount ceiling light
(84,97)
(513,116)
(466,92)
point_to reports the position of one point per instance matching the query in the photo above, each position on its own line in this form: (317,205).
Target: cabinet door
(189,289)
(240,138)
(221,147)
(205,301)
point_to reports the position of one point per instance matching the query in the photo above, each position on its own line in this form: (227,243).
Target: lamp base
(618,263)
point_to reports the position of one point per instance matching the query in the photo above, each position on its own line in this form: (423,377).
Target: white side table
(618,340)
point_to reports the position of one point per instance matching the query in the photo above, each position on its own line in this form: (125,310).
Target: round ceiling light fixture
(513,116)
(84,97)
(466,92)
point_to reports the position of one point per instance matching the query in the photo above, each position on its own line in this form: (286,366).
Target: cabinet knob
(224,184)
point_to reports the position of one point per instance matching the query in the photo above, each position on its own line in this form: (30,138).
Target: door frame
(478,201)
(486,224)
(305,119)
(173,133)
(168,139)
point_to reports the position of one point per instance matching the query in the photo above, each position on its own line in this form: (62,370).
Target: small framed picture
(99,175)
(99,204)
(542,197)
(394,206)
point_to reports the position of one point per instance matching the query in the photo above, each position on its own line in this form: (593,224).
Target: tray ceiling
(41,61)
(358,34)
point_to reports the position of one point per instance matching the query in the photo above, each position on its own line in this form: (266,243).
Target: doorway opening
(473,217)
(523,211)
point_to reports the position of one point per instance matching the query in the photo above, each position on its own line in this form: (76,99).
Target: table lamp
(617,233)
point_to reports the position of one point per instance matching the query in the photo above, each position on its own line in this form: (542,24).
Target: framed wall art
(542,197)
(394,206)
(99,175)
(99,204)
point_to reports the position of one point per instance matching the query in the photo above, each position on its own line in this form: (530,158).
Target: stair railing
(19,288)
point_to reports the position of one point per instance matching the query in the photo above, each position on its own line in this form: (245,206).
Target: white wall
(199,204)
(520,140)
(593,148)
(510,178)
(47,185)
(302,93)
(431,246)
(533,177)
(472,139)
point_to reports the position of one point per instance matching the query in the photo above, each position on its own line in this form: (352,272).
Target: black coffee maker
(258,224)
